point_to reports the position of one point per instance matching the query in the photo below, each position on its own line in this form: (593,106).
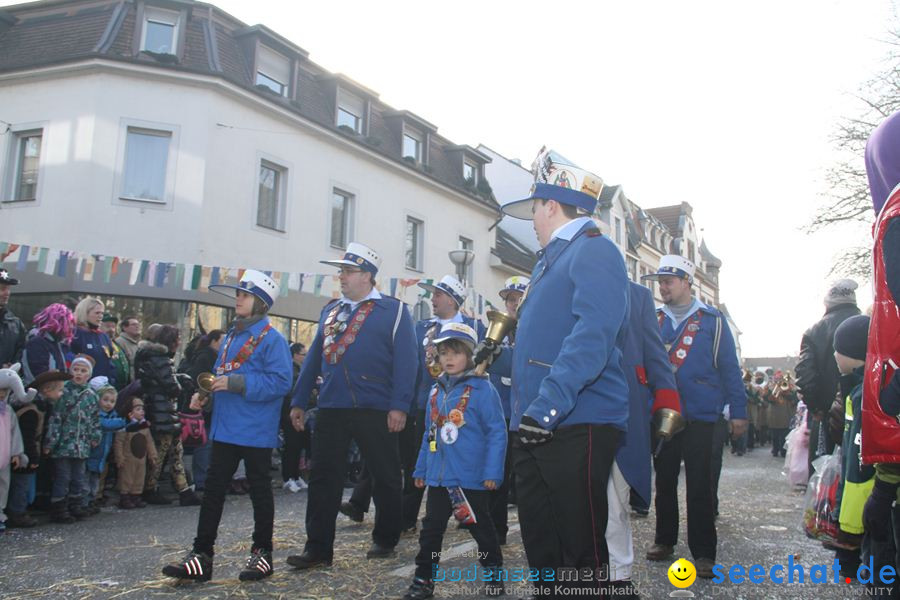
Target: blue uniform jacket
(378,370)
(567,368)
(425,380)
(648,373)
(501,373)
(704,384)
(480,450)
(252,418)
(110,422)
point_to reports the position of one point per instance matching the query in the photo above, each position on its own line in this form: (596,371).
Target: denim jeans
(200,464)
(18,492)
(68,478)
(91,485)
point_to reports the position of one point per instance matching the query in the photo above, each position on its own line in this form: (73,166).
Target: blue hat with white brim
(457,331)
(357,255)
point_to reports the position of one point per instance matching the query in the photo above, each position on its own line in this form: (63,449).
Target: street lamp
(462,259)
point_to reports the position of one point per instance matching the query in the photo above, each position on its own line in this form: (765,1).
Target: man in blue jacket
(569,396)
(703,356)
(365,352)
(253,374)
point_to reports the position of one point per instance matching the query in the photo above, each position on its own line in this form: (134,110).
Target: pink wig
(57,320)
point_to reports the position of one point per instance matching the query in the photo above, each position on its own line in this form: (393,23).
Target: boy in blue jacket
(463,447)
(110,423)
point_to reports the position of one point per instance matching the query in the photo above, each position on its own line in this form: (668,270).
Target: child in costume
(12,449)
(461,459)
(134,453)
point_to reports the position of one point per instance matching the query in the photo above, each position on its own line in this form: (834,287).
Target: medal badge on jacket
(449,425)
(338,323)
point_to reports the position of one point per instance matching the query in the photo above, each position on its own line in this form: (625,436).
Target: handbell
(500,324)
(204,383)
(666,423)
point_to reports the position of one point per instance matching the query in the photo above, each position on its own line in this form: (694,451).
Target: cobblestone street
(118,554)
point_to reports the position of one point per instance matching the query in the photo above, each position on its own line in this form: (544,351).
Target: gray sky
(727,106)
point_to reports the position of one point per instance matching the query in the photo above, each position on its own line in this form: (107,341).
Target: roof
(514,253)
(711,260)
(607,194)
(670,216)
(54,32)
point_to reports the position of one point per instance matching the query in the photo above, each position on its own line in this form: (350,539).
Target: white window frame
(617,230)
(420,243)
(349,216)
(469,163)
(351,104)
(261,69)
(282,192)
(12,168)
(167,203)
(163,17)
(419,139)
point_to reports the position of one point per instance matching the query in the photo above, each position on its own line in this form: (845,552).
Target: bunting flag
(10,248)
(22,263)
(214,276)
(393,286)
(162,271)
(135,272)
(195,277)
(62,264)
(188,274)
(205,276)
(114,266)
(179,273)
(284,291)
(88,273)
(109,264)
(50,262)
(317,290)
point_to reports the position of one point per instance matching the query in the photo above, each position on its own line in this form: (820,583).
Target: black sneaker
(419,589)
(258,566)
(195,565)
(307,560)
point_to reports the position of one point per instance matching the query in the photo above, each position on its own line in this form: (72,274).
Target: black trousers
(561,494)
(778,436)
(293,444)
(361,497)
(410,444)
(694,445)
(331,440)
(500,496)
(719,437)
(438,510)
(223,464)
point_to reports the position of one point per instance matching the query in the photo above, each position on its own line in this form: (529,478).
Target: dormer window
(160,33)
(470,172)
(351,111)
(412,145)
(273,70)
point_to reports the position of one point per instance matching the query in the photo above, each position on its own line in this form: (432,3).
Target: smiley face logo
(682,573)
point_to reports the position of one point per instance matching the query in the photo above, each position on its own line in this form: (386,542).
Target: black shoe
(494,587)
(501,539)
(379,551)
(307,560)
(156,497)
(79,512)
(419,589)
(258,566)
(195,565)
(59,513)
(351,511)
(236,487)
(188,498)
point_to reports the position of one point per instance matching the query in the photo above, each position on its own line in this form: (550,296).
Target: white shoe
(294,485)
(288,485)
(301,485)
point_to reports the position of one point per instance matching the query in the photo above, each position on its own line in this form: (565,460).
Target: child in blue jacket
(110,423)
(463,447)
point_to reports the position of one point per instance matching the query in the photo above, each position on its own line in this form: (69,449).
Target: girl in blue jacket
(253,374)
(463,450)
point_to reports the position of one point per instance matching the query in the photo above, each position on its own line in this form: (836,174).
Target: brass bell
(204,383)
(499,326)
(667,423)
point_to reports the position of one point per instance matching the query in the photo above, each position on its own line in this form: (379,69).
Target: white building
(168,131)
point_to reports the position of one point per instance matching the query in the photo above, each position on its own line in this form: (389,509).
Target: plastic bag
(821,513)
(796,460)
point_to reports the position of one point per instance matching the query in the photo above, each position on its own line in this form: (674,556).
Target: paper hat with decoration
(516,283)
(5,279)
(675,265)
(357,255)
(253,282)
(556,178)
(451,286)
(457,331)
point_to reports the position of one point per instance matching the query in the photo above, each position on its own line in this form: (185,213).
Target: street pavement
(119,554)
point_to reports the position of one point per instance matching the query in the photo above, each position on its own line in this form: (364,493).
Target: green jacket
(857,479)
(75,423)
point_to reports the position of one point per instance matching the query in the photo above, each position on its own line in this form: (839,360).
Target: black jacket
(12,338)
(154,368)
(817,373)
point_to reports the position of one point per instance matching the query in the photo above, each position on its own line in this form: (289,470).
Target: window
(341,217)
(24,161)
(273,70)
(412,146)
(470,173)
(350,111)
(632,269)
(653,237)
(146,158)
(160,31)
(691,254)
(468,274)
(270,202)
(414,229)
(618,231)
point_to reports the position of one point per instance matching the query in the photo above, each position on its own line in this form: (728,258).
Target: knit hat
(84,359)
(852,336)
(841,291)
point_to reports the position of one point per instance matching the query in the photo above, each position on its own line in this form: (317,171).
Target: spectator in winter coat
(12,330)
(89,338)
(47,350)
(130,337)
(110,422)
(154,368)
